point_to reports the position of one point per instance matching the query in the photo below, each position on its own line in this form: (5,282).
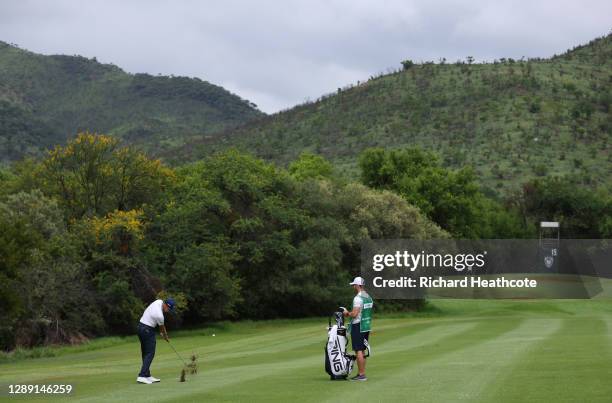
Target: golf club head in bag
(338,364)
(338,317)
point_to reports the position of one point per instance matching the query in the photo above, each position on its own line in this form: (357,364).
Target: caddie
(361,324)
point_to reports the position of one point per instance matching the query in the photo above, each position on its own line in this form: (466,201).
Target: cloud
(277,54)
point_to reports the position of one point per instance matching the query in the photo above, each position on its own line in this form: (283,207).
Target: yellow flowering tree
(119,231)
(93,175)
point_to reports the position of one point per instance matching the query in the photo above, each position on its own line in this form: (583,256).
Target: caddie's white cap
(358,281)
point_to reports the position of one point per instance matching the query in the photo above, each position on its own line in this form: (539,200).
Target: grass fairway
(490,351)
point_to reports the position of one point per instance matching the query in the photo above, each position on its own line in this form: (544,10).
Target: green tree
(6,179)
(16,242)
(407,64)
(451,198)
(205,274)
(310,166)
(45,289)
(582,212)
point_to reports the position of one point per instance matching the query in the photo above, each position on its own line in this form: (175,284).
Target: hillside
(510,119)
(45,99)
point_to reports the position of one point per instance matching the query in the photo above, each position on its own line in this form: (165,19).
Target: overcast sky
(280,52)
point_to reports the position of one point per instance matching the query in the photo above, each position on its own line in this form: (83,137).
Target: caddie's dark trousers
(146,335)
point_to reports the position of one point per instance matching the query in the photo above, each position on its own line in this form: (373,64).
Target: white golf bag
(338,364)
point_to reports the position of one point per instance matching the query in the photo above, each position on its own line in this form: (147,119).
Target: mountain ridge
(526,118)
(45,99)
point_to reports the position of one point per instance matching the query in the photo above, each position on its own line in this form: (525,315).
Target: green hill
(510,119)
(46,99)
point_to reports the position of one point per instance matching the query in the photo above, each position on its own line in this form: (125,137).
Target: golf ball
(213,335)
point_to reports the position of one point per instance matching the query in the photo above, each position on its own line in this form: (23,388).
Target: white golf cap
(358,281)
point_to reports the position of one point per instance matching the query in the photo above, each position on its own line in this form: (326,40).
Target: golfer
(361,323)
(152,317)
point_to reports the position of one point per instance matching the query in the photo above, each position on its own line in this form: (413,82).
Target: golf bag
(338,364)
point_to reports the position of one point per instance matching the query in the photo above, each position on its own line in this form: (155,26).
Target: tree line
(95,230)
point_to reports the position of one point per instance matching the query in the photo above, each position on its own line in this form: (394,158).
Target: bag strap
(365,342)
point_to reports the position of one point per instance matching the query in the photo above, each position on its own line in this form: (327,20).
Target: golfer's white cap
(358,281)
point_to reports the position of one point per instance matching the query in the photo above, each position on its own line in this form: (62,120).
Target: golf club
(177,354)
(190,368)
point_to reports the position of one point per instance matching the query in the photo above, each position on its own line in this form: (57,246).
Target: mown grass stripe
(571,365)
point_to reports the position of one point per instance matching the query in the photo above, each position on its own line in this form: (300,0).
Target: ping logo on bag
(336,356)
